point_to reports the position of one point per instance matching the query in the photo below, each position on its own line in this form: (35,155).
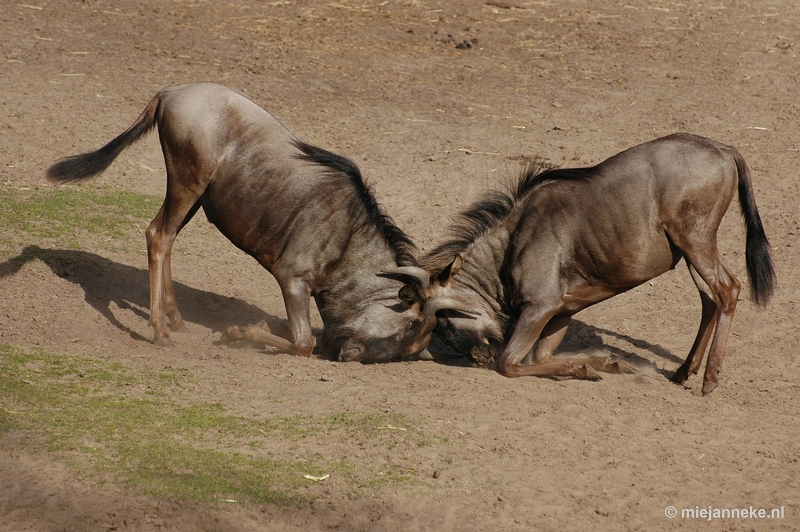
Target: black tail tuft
(757,250)
(86,165)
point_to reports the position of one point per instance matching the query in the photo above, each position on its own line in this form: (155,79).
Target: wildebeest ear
(408,296)
(452,269)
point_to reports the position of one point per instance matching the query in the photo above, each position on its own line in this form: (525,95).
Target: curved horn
(432,306)
(410,271)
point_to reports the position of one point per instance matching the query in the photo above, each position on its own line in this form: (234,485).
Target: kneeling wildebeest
(303,213)
(566,239)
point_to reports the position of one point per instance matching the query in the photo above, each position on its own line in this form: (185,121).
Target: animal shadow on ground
(581,339)
(104,282)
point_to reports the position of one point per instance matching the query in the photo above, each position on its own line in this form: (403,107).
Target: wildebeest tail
(757,251)
(90,164)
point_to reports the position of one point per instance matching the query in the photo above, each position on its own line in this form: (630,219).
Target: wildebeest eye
(413,324)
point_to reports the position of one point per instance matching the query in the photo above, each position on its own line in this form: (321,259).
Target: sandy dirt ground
(437,101)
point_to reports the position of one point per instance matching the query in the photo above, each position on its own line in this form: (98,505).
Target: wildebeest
(303,213)
(566,239)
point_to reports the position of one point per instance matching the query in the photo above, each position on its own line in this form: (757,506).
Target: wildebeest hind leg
(692,364)
(154,243)
(170,303)
(160,234)
(728,290)
(725,288)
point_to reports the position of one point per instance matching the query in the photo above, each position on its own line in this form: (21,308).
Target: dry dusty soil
(437,101)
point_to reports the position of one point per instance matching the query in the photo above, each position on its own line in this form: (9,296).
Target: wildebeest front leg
(297,298)
(530,327)
(551,338)
(260,333)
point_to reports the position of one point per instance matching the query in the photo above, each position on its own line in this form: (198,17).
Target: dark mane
(366,209)
(485,213)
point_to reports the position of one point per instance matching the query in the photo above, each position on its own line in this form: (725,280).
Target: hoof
(621,367)
(234,333)
(179,327)
(302,352)
(709,387)
(589,374)
(164,341)
(680,376)
(425,355)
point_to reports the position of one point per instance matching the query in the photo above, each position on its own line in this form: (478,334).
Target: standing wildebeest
(566,239)
(303,213)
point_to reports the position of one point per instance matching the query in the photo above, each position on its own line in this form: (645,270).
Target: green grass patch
(105,419)
(60,212)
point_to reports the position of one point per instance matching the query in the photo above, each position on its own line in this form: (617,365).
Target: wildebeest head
(478,334)
(396,328)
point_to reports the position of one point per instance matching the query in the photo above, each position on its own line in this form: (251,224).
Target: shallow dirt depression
(437,102)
